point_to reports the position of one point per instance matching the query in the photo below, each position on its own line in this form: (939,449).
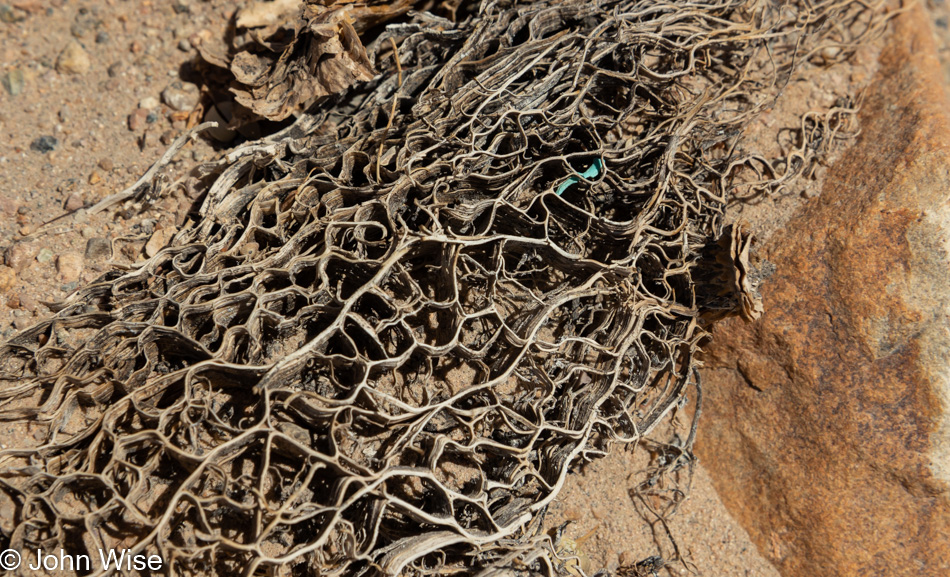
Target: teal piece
(593,171)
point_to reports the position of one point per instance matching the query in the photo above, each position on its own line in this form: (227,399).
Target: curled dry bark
(400,321)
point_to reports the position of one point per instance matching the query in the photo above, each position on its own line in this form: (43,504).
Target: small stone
(136,47)
(94,178)
(27,303)
(114,69)
(13,81)
(599,513)
(69,265)
(184,45)
(137,119)
(158,241)
(73,59)
(87,232)
(106,164)
(20,255)
(168,137)
(63,114)
(181,96)
(573,514)
(22,323)
(79,29)
(250,248)
(73,202)
(152,117)
(102,38)
(25,230)
(7,278)
(44,144)
(98,248)
(45,256)
(13,301)
(11,16)
(149,103)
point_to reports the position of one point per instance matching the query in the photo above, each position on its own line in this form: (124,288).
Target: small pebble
(102,38)
(20,255)
(94,178)
(13,81)
(13,301)
(44,144)
(69,265)
(11,16)
(73,202)
(572,514)
(106,164)
(7,278)
(156,243)
(137,119)
(45,256)
(184,45)
(136,47)
(149,103)
(22,323)
(98,248)
(73,59)
(28,303)
(152,117)
(114,69)
(181,96)
(168,137)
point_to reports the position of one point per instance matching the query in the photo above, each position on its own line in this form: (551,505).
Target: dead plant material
(401,321)
(287,54)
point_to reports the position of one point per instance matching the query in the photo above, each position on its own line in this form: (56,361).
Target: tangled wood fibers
(400,321)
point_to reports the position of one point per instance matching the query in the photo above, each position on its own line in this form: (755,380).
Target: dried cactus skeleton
(401,320)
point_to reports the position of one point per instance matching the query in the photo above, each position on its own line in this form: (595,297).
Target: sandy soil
(136,50)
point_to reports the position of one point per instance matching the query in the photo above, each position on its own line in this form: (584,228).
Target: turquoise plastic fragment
(593,171)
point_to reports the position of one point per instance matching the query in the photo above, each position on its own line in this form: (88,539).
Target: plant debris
(394,330)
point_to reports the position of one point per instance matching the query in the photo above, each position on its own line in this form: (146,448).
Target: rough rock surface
(826,423)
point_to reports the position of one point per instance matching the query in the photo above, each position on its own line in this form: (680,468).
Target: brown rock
(158,240)
(7,278)
(137,119)
(826,424)
(69,265)
(20,255)
(73,59)
(27,302)
(73,202)
(98,249)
